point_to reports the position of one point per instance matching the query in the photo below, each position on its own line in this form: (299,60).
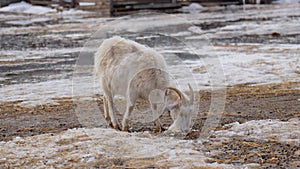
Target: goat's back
(126,64)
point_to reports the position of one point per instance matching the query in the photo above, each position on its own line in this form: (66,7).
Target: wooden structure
(112,7)
(54,3)
(229,2)
(215,2)
(121,7)
(124,7)
(103,7)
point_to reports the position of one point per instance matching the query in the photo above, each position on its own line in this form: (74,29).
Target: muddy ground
(243,103)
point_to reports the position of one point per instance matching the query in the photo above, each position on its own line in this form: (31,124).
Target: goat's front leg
(159,127)
(125,121)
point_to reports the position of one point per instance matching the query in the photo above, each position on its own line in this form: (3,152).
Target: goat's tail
(103,50)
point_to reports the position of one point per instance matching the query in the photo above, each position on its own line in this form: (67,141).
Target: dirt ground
(243,103)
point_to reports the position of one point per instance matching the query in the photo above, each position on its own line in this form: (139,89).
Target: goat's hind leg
(106,112)
(111,113)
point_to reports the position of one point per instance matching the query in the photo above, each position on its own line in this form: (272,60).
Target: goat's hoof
(110,125)
(160,129)
(125,129)
(117,127)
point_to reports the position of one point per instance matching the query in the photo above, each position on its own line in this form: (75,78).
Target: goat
(134,71)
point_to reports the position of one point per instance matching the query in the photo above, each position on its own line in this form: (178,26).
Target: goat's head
(181,111)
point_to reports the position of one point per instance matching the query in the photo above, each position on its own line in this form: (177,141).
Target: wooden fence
(102,7)
(112,7)
(123,7)
(215,2)
(54,3)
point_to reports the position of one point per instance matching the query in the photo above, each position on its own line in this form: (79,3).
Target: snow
(263,130)
(89,147)
(33,94)
(192,8)
(288,1)
(87,3)
(239,63)
(28,22)
(13,55)
(74,12)
(24,7)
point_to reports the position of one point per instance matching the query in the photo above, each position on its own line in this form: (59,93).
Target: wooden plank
(215,2)
(101,9)
(146,1)
(140,2)
(156,6)
(97,1)
(50,2)
(122,7)
(42,2)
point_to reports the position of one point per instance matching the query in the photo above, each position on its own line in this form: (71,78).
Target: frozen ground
(105,147)
(245,46)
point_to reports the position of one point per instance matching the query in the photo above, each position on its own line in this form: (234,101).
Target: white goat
(134,71)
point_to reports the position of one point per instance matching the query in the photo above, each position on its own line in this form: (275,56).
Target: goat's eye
(169,112)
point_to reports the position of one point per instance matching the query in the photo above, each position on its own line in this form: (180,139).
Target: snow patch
(24,7)
(28,21)
(86,147)
(192,8)
(33,94)
(87,3)
(264,130)
(288,1)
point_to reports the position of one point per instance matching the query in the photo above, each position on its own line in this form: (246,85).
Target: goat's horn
(191,94)
(178,92)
